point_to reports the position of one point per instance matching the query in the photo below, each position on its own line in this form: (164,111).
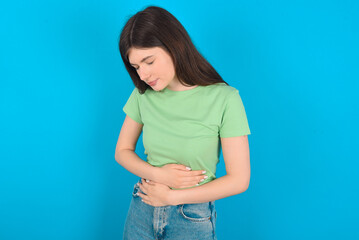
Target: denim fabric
(185,221)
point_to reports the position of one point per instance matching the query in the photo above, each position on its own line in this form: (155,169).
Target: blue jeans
(185,221)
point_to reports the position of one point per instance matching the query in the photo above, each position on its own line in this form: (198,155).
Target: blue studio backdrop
(63,86)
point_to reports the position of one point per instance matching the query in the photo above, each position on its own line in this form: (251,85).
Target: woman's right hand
(178,176)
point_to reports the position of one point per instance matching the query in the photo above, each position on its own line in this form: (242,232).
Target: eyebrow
(143,59)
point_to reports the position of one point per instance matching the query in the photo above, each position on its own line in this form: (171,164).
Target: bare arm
(237,162)
(125,150)
(173,175)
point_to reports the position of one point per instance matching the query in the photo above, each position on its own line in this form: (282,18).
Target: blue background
(63,86)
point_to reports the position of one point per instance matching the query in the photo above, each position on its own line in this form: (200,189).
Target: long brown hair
(156,27)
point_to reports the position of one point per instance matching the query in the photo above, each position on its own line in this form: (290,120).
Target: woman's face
(154,66)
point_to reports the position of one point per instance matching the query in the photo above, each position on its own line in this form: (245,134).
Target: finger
(194,178)
(144,198)
(143,188)
(196,173)
(144,181)
(187,185)
(192,181)
(148,203)
(149,182)
(182,167)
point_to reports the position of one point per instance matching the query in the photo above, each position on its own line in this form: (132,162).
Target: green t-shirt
(185,127)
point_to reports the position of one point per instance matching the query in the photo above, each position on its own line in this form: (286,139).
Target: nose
(143,74)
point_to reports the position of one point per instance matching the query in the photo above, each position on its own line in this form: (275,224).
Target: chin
(157,88)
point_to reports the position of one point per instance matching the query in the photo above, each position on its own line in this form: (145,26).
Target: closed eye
(147,63)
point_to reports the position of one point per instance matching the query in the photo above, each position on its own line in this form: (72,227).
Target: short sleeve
(132,106)
(234,119)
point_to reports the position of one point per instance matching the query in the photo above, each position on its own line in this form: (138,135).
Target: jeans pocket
(196,212)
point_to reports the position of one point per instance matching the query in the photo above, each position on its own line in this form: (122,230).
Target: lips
(153,82)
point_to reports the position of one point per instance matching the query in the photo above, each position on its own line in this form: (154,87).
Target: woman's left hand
(156,194)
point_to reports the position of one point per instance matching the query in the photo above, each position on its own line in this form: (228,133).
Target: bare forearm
(134,164)
(219,188)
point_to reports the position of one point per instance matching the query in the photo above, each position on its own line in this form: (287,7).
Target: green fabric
(185,127)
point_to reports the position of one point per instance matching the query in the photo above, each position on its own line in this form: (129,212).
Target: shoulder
(227,89)
(222,90)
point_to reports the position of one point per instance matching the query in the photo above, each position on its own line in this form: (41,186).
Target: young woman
(188,114)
